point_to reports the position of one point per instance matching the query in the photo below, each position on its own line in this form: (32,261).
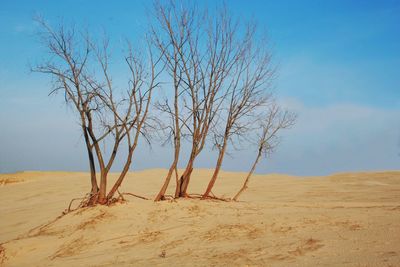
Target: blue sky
(338,68)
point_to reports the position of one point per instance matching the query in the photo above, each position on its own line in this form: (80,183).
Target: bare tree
(80,69)
(275,120)
(248,92)
(220,73)
(169,52)
(174,116)
(202,52)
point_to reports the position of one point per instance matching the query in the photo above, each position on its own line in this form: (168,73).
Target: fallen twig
(200,196)
(131,194)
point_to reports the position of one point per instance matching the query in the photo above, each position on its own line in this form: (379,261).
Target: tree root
(41,228)
(212,197)
(134,195)
(217,198)
(169,197)
(86,201)
(166,198)
(195,196)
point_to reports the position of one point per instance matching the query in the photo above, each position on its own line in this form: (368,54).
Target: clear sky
(338,68)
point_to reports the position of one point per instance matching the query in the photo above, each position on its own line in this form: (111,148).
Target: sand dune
(350,219)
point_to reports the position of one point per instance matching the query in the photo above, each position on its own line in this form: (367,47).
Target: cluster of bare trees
(79,67)
(214,72)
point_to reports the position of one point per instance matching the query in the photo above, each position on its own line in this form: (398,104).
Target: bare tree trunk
(216,171)
(95,188)
(161,194)
(103,187)
(244,187)
(173,167)
(103,171)
(176,178)
(179,192)
(177,140)
(122,175)
(178,185)
(185,178)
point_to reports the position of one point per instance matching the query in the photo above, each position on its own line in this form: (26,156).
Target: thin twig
(131,194)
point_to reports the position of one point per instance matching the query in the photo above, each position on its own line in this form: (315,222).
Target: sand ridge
(350,219)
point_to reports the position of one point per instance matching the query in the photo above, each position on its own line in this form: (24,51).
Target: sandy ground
(340,220)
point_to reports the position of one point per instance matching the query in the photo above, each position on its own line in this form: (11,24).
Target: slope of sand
(341,220)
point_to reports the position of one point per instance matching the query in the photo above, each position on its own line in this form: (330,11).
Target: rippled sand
(348,219)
